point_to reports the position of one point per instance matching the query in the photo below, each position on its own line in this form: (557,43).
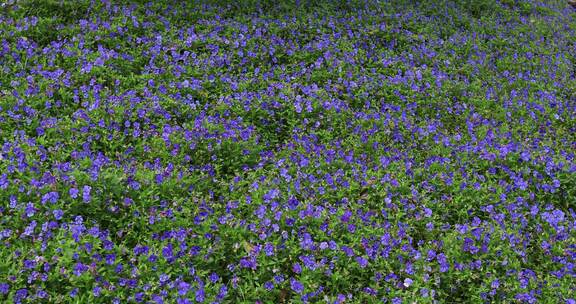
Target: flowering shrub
(354,151)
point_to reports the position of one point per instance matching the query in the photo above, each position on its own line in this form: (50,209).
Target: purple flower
(349,251)
(340,299)
(553,218)
(183,288)
(4,181)
(110,259)
(96,291)
(29,230)
(20,295)
(158,178)
(307,242)
(77,231)
(297,268)
(4,288)
(58,214)
(79,269)
(86,193)
(200,295)
(167,251)
(269,249)
(139,250)
(222,292)
(408,282)
(362,261)
(214,277)
(6,233)
(526,297)
(309,262)
(41,294)
(74,292)
(30,210)
(29,264)
(278,279)
(443,261)
(51,197)
(296,286)
(248,263)
(164,278)
(269,285)
(73,192)
(183,301)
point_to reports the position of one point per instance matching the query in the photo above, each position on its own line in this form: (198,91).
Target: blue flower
(4,181)
(79,269)
(96,291)
(296,286)
(362,261)
(86,197)
(397,300)
(553,218)
(110,259)
(20,294)
(58,214)
(74,292)
(51,197)
(443,261)
(269,249)
(73,192)
(200,295)
(296,268)
(30,210)
(214,277)
(183,288)
(167,251)
(408,282)
(4,288)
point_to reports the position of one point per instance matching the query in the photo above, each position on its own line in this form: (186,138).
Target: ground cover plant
(287,151)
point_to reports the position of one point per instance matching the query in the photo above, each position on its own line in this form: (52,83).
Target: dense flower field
(306,151)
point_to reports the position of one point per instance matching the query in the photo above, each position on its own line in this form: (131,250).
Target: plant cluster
(356,151)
